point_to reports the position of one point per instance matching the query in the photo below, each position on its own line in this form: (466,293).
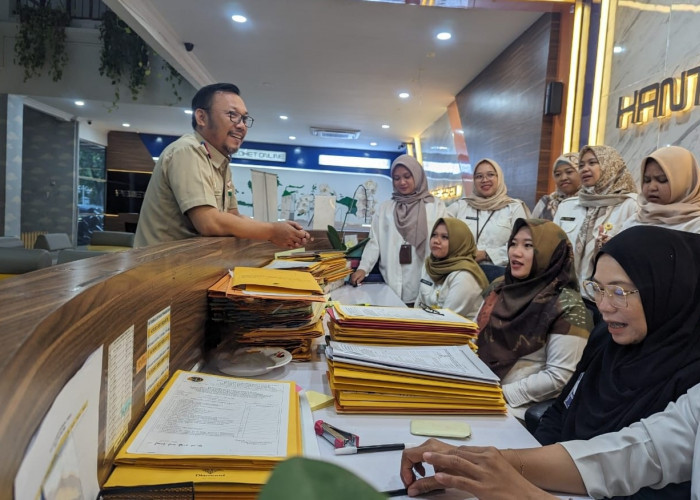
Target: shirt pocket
(568,224)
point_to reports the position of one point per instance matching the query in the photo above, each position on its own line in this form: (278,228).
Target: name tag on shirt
(471,218)
(426,282)
(568,218)
(570,398)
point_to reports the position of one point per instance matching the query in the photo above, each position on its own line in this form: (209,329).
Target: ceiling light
(239,19)
(80,103)
(372,143)
(404,95)
(385,126)
(284,117)
(292,138)
(618,49)
(126,125)
(459,131)
(188,111)
(444,35)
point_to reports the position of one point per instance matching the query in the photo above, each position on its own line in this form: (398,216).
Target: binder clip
(337,437)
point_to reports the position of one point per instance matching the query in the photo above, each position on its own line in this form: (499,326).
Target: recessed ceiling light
(284,117)
(372,143)
(292,138)
(404,95)
(459,131)
(80,103)
(188,111)
(239,18)
(444,35)
(126,125)
(617,49)
(385,126)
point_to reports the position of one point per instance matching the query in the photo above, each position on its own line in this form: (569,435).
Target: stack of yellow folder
(411,380)
(329,267)
(269,307)
(399,326)
(224,435)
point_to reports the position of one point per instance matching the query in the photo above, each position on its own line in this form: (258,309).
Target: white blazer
(491,228)
(570,216)
(459,292)
(384,245)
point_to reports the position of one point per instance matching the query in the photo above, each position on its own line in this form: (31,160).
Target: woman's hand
(483,472)
(357,277)
(481,255)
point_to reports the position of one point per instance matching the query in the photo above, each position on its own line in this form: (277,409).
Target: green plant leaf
(351,203)
(334,239)
(315,480)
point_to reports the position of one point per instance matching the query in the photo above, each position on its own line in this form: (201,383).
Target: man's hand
(412,462)
(481,255)
(289,234)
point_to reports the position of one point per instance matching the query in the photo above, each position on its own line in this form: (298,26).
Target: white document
(290,264)
(454,361)
(61,461)
(120,369)
(157,352)
(210,415)
(402,313)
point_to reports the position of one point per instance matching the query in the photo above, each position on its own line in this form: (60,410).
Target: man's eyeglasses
(429,309)
(237,118)
(616,294)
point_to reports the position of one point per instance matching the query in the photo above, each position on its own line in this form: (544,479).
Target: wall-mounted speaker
(553,98)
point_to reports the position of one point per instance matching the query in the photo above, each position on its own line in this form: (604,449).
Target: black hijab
(625,383)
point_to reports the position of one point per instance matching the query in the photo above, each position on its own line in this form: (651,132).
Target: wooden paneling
(52,319)
(126,151)
(502,109)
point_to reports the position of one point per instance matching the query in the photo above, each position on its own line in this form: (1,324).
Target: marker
(353,450)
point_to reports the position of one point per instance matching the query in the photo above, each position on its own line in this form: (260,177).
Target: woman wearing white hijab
(670,191)
(490,213)
(400,231)
(568,181)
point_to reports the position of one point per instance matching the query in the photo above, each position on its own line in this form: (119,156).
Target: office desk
(381,470)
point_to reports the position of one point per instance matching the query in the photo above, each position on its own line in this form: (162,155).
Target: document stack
(411,380)
(400,326)
(224,435)
(329,267)
(269,307)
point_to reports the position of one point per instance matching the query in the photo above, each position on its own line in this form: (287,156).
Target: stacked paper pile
(269,307)
(399,326)
(417,380)
(329,267)
(225,435)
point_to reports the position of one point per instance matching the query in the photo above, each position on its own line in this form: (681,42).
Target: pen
(395,493)
(352,450)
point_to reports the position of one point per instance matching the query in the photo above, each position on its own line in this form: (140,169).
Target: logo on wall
(659,100)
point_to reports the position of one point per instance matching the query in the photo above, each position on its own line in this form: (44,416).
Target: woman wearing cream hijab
(670,191)
(490,213)
(568,182)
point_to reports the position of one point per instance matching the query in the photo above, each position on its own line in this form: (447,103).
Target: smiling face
(215,125)
(404,183)
(589,169)
(655,185)
(485,179)
(521,253)
(567,178)
(627,325)
(440,241)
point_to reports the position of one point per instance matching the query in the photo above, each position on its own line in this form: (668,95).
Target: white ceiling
(329,63)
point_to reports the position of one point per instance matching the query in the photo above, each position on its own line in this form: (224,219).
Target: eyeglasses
(487,175)
(237,118)
(429,309)
(616,294)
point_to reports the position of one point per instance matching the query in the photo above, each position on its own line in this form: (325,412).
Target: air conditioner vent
(335,133)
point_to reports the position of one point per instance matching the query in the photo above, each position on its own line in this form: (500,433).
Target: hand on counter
(357,277)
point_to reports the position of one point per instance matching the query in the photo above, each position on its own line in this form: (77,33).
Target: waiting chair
(111,241)
(14,261)
(54,243)
(11,242)
(70,255)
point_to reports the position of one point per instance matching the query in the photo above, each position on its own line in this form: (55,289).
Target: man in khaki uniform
(191,192)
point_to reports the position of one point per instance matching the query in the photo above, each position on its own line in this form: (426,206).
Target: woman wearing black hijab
(647,353)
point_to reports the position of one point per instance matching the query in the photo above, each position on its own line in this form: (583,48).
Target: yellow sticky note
(318,400)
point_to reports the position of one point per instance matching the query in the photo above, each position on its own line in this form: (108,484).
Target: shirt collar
(219,160)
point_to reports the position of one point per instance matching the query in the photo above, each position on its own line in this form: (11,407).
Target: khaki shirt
(189,173)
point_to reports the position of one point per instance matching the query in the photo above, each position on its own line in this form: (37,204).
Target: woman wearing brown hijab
(451,278)
(670,191)
(399,233)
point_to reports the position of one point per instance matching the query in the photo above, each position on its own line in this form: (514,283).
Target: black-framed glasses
(616,294)
(429,309)
(237,118)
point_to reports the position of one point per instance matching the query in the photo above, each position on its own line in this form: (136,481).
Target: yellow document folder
(254,280)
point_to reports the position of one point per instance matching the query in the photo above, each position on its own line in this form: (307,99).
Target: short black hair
(202,99)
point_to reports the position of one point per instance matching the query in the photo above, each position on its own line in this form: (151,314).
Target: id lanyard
(479,231)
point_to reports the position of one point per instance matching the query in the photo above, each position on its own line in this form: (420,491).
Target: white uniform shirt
(656,451)
(570,217)
(691,226)
(491,228)
(385,242)
(459,292)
